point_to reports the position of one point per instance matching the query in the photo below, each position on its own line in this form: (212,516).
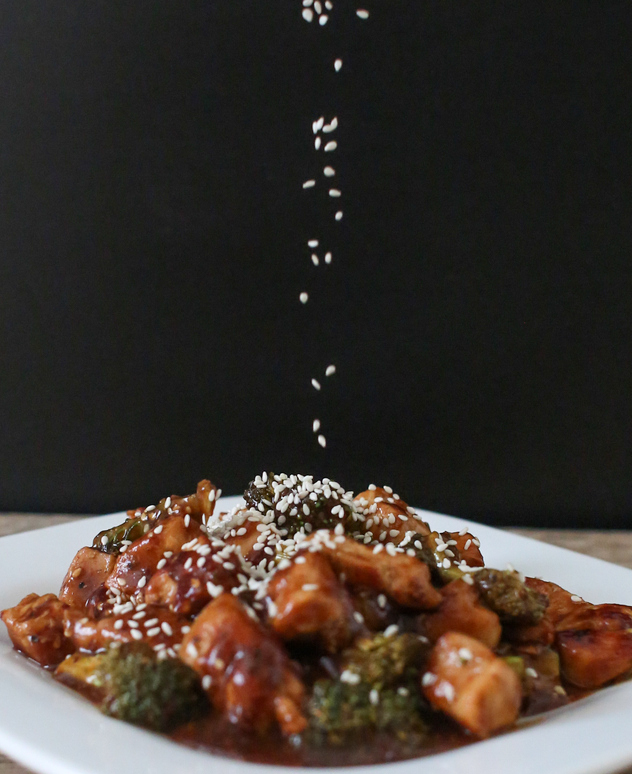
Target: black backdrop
(153,237)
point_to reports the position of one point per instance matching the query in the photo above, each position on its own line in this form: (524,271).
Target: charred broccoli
(506,594)
(111,540)
(131,683)
(317,511)
(378,689)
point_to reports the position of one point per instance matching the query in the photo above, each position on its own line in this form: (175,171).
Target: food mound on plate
(311,626)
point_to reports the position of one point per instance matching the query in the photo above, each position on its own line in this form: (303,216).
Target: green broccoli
(320,514)
(131,683)
(378,689)
(504,592)
(111,540)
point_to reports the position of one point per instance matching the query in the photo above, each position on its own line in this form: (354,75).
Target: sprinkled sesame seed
(104,541)
(309,184)
(167,502)
(188,563)
(330,370)
(362,14)
(338,215)
(307,3)
(465,654)
(317,143)
(316,384)
(329,171)
(328,257)
(303,298)
(185,629)
(158,530)
(153,632)
(358,616)
(531,672)
(381,601)
(331,126)
(374,696)
(575,598)
(445,689)
(391,630)
(300,560)
(313,243)
(318,7)
(166,628)
(323,20)
(338,65)
(118,624)
(315,260)
(142,582)
(349,677)
(331,146)
(133,624)
(318,125)
(428,679)
(322,441)
(308,14)
(316,425)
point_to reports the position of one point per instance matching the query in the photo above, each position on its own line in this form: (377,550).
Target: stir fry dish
(313,627)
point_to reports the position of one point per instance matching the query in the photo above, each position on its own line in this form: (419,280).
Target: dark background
(153,237)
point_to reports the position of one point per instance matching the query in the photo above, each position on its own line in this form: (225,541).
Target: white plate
(52,730)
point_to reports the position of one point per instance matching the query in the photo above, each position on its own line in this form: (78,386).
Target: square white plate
(52,730)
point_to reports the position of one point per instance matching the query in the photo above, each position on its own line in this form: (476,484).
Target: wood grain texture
(613,546)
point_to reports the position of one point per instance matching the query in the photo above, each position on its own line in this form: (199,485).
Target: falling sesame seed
(335,193)
(317,143)
(331,126)
(338,65)
(315,260)
(318,6)
(329,171)
(330,370)
(316,425)
(323,20)
(313,243)
(316,384)
(303,298)
(309,184)
(331,146)
(322,441)
(307,3)
(362,14)
(308,14)
(329,5)
(338,215)
(328,257)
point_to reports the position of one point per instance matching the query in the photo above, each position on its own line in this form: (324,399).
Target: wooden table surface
(612,546)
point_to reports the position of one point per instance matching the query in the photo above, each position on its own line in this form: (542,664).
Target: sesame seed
(338,215)
(167,502)
(318,125)
(362,14)
(142,582)
(187,520)
(185,629)
(531,672)
(136,635)
(323,20)
(358,616)
(349,677)
(315,260)
(138,616)
(316,425)
(331,146)
(104,541)
(133,624)
(317,143)
(310,587)
(188,563)
(206,682)
(303,298)
(308,14)
(445,689)
(329,171)
(330,370)
(309,184)
(153,632)
(313,243)
(331,126)
(166,628)
(327,257)
(118,624)
(201,561)
(468,543)
(318,7)
(307,3)
(381,601)
(151,622)
(465,654)
(316,384)
(338,65)
(322,441)
(575,598)
(300,560)
(158,530)
(428,679)
(374,696)
(391,630)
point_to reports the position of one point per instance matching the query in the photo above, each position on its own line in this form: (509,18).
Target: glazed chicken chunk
(245,670)
(36,628)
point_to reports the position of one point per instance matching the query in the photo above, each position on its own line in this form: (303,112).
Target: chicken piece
(191,579)
(155,625)
(391,517)
(246,672)
(87,572)
(462,611)
(36,628)
(309,601)
(252,538)
(199,506)
(141,558)
(404,578)
(595,644)
(469,683)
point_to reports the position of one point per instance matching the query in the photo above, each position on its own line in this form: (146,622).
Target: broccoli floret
(506,594)
(378,689)
(111,540)
(319,514)
(340,710)
(131,683)
(386,661)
